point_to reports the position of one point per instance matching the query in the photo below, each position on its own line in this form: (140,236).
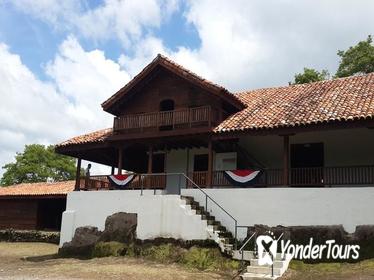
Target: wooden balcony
(299,177)
(167,120)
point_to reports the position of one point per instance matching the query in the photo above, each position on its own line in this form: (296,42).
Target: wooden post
(150,166)
(119,161)
(78,175)
(286,160)
(210,164)
(150,160)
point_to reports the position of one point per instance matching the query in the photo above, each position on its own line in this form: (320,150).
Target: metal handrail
(206,207)
(207,197)
(241,248)
(241,251)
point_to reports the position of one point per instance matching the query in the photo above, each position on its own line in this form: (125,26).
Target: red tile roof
(180,70)
(343,99)
(98,136)
(37,189)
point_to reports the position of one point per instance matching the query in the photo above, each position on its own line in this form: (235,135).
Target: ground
(33,261)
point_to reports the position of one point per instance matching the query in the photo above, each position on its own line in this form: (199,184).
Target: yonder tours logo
(267,247)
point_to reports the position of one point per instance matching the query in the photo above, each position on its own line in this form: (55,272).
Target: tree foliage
(358,59)
(37,163)
(310,75)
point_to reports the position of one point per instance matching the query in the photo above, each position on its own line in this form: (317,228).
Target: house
(33,206)
(305,154)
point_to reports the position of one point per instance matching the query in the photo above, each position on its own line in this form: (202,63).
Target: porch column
(119,161)
(150,166)
(150,160)
(286,159)
(78,175)
(210,164)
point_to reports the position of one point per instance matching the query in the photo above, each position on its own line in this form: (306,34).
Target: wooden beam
(78,175)
(120,151)
(150,159)
(286,159)
(210,163)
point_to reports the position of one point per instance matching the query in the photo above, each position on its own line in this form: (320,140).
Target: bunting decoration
(242,178)
(120,181)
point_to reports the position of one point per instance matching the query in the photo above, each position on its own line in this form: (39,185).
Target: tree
(358,59)
(311,75)
(37,163)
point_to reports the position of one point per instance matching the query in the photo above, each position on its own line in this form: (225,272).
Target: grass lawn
(38,261)
(33,261)
(330,271)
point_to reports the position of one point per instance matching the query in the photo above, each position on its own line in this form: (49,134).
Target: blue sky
(61,59)
(37,41)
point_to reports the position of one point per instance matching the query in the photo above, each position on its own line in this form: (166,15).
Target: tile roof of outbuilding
(37,189)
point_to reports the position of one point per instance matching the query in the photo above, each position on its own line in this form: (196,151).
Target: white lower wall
(158,215)
(291,206)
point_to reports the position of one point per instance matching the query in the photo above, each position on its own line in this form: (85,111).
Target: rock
(82,243)
(120,227)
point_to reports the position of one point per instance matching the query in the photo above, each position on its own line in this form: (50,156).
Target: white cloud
(125,20)
(252,44)
(34,111)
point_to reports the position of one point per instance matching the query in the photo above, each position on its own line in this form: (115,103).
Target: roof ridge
(306,84)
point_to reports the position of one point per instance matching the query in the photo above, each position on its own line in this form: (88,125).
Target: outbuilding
(33,206)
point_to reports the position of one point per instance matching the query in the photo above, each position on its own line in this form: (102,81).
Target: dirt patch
(39,261)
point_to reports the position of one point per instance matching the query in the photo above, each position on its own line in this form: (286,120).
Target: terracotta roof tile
(93,137)
(38,189)
(341,99)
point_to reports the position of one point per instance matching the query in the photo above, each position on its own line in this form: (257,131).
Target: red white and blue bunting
(120,181)
(242,178)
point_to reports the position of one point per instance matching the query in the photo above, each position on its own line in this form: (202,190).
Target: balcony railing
(167,120)
(299,177)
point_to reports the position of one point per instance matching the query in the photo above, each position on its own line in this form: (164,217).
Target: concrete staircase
(216,230)
(225,241)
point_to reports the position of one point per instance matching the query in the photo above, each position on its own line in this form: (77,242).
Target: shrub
(207,258)
(106,249)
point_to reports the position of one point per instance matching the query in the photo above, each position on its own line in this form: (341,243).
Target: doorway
(200,168)
(158,163)
(158,166)
(305,162)
(167,118)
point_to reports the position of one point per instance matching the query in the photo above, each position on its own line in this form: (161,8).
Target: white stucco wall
(291,206)
(158,215)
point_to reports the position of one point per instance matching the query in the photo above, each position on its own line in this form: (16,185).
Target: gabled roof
(341,100)
(179,70)
(37,189)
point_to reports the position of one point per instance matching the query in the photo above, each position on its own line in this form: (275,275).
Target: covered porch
(333,158)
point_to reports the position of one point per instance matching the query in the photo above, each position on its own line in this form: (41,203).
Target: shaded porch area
(331,158)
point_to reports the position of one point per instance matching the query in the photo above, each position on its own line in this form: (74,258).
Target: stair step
(276,263)
(263,270)
(247,255)
(255,276)
(225,234)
